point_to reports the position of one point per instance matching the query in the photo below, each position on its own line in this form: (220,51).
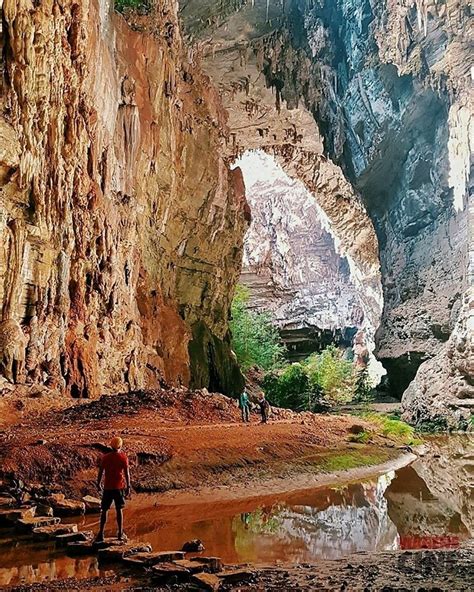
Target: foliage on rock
(255,340)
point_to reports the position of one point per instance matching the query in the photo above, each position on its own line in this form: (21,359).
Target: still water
(425,505)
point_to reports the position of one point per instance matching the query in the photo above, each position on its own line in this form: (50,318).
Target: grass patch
(392,428)
(352,460)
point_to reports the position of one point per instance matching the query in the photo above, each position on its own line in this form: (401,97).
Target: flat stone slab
(68,507)
(6,501)
(74,537)
(31,523)
(206,581)
(192,566)
(81,548)
(165,572)
(92,503)
(108,542)
(159,557)
(46,533)
(235,576)
(8,517)
(116,553)
(214,564)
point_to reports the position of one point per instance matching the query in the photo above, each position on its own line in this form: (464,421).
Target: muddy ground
(180,439)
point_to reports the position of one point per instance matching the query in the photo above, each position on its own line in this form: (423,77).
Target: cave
(350,99)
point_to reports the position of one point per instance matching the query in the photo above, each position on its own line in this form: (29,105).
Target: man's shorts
(113,495)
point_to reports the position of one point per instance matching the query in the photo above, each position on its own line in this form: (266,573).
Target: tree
(255,340)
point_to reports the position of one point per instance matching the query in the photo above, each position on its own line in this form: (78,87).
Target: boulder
(67,507)
(74,537)
(206,581)
(46,533)
(30,523)
(92,503)
(214,564)
(194,546)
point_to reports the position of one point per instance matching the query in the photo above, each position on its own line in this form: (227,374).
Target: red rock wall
(120,229)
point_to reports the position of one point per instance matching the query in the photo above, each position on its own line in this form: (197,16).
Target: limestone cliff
(292,265)
(121,224)
(385,84)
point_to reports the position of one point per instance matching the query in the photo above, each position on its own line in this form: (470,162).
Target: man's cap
(116,443)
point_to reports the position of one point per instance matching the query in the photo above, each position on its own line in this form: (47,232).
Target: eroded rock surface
(388,85)
(121,224)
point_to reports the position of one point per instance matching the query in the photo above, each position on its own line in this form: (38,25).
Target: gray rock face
(388,84)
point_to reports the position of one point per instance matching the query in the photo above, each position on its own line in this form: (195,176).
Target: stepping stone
(46,533)
(194,546)
(81,548)
(6,500)
(116,553)
(74,537)
(68,507)
(44,510)
(214,564)
(31,523)
(92,503)
(235,576)
(159,557)
(192,566)
(170,572)
(206,581)
(9,517)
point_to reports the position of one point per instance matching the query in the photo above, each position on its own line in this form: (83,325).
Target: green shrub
(122,5)
(394,428)
(255,340)
(289,388)
(332,375)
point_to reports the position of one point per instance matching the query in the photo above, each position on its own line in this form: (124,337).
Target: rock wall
(388,84)
(291,263)
(121,224)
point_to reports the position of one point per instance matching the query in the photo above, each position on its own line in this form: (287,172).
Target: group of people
(245,406)
(114,467)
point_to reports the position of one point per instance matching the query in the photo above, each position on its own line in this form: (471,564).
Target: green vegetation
(352,460)
(255,341)
(319,383)
(391,428)
(122,5)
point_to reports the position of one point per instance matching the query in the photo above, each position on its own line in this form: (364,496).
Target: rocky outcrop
(291,263)
(387,84)
(121,224)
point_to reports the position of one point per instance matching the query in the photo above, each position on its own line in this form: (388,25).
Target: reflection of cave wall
(432,496)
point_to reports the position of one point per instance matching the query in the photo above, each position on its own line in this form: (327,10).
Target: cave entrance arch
(296,267)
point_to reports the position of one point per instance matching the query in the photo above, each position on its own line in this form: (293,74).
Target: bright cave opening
(296,270)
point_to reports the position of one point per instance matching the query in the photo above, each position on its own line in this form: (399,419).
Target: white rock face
(292,261)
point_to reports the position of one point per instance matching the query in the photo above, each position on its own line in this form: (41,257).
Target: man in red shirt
(116,486)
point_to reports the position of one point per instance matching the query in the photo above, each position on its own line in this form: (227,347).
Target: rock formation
(386,85)
(121,223)
(292,266)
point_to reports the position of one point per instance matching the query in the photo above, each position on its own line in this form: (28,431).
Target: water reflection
(427,504)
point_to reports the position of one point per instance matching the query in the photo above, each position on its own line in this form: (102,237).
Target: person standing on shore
(244,405)
(116,486)
(264,407)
